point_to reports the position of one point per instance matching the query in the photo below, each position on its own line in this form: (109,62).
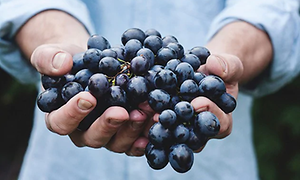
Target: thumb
(226,66)
(53,59)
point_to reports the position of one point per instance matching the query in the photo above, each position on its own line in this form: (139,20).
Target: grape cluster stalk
(152,68)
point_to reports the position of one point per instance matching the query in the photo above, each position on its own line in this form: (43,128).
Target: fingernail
(115,122)
(222,63)
(58,60)
(84,105)
(137,125)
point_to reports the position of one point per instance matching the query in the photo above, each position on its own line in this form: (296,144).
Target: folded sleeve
(15,13)
(280,20)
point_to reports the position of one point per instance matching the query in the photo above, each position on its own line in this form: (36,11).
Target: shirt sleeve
(280,19)
(15,13)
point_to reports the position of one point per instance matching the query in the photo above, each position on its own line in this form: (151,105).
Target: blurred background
(276,129)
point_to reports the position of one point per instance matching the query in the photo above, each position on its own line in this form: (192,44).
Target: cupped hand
(116,129)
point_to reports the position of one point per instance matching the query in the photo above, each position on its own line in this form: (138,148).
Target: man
(254,44)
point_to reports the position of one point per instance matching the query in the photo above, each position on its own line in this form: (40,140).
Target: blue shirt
(50,156)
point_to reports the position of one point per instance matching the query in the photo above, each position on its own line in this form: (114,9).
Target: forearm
(248,43)
(51,26)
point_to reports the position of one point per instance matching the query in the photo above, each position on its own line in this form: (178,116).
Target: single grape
(133,33)
(91,59)
(193,60)
(181,158)
(184,110)
(212,87)
(109,66)
(198,76)
(139,65)
(150,32)
(120,52)
(178,48)
(164,55)
(137,90)
(98,42)
(172,64)
(148,54)
(159,100)
(201,52)
(166,80)
(131,48)
(78,63)
(122,80)
(116,97)
(70,89)
(109,53)
(83,76)
(169,39)
(168,118)
(195,142)
(52,81)
(226,102)
(98,85)
(181,133)
(160,136)
(49,100)
(189,90)
(157,158)
(206,124)
(183,72)
(154,43)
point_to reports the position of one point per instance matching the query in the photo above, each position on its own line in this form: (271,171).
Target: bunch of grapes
(146,67)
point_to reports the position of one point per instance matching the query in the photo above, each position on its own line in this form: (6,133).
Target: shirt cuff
(17,13)
(280,20)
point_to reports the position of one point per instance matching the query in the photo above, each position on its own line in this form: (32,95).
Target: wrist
(51,26)
(250,44)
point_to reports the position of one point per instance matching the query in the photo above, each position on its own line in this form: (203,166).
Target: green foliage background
(276,129)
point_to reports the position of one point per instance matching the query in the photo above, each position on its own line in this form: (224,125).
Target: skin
(240,52)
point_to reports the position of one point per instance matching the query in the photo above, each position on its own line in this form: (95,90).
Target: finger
(103,129)
(138,147)
(131,130)
(54,59)
(66,119)
(128,133)
(204,104)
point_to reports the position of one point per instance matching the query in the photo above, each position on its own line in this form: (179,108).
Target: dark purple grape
(172,64)
(181,158)
(98,42)
(49,100)
(70,89)
(226,102)
(184,111)
(193,60)
(52,81)
(198,76)
(131,48)
(109,53)
(164,55)
(169,39)
(160,136)
(148,54)
(157,158)
(189,90)
(109,66)
(183,72)
(178,48)
(195,142)
(116,97)
(154,32)
(154,43)
(139,65)
(181,133)
(166,80)
(212,87)
(91,58)
(83,76)
(168,118)
(206,124)
(98,85)
(78,63)
(159,100)
(137,90)
(120,52)
(201,52)
(133,33)
(122,80)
